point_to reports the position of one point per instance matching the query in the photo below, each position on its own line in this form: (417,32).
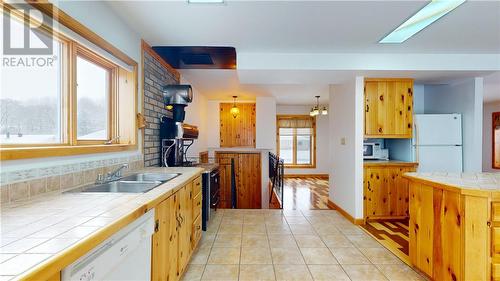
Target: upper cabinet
(237,131)
(388,108)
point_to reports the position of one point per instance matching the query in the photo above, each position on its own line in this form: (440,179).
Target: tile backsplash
(28,183)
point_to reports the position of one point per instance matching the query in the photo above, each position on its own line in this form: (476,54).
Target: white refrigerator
(437,142)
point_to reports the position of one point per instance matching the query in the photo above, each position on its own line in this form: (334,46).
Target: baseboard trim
(345,214)
(303,176)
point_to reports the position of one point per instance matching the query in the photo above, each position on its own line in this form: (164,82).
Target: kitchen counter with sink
(40,237)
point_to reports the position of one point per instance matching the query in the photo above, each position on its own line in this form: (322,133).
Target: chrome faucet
(111,176)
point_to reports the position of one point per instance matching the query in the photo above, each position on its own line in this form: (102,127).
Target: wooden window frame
(494,115)
(112,69)
(69,144)
(294,165)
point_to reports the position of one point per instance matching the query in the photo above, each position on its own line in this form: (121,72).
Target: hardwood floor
(306,194)
(392,234)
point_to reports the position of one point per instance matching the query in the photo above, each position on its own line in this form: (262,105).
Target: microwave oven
(374,151)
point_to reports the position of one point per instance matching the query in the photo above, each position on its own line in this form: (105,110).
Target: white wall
(102,20)
(196,113)
(322,139)
(464,97)
(265,131)
(489,108)
(346,145)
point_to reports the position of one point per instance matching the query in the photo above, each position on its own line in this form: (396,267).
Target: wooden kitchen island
(455,225)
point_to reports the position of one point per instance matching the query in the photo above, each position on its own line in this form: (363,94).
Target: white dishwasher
(124,256)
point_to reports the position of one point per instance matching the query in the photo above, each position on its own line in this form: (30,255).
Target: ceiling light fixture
(205,1)
(315,111)
(235,111)
(423,18)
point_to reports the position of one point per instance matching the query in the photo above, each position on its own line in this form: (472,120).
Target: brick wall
(155,77)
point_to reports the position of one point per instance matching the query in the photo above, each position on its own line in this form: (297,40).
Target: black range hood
(198,57)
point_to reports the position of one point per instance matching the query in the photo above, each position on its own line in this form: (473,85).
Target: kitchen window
(297,140)
(83,102)
(31,111)
(93,91)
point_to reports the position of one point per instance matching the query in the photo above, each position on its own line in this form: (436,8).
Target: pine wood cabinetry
(239,131)
(450,233)
(386,191)
(247,170)
(176,233)
(388,108)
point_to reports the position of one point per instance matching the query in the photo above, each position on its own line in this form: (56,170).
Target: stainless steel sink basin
(140,177)
(123,186)
(135,183)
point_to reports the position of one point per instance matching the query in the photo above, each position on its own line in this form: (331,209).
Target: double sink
(135,183)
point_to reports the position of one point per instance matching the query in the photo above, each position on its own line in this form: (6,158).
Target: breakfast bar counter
(455,225)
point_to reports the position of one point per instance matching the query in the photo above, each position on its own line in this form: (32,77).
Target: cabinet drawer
(196,231)
(196,186)
(495,240)
(196,205)
(495,211)
(495,271)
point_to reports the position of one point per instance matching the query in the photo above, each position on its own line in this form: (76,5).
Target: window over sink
(83,101)
(296,143)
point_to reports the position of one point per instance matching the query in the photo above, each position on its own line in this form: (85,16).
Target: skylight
(423,18)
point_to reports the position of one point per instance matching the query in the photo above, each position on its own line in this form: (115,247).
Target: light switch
(342,141)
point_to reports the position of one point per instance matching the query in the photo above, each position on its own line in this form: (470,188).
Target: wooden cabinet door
(164,263)
(371,110)
(159,259)
(224,160)
(389,108)
(375,191)
(239,131)
(184,210)
(173,238)
(386,192)
(248,188)
(421,227)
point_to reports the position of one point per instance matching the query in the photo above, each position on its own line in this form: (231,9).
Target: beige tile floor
(291,245)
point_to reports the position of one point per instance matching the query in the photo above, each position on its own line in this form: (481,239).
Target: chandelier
(316,110)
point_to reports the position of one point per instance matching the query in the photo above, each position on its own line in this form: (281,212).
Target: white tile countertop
(474,181)
(36,232)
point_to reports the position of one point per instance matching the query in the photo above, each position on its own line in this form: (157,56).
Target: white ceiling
(310,27)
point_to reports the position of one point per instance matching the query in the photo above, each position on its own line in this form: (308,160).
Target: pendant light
(315,111)
(235,111)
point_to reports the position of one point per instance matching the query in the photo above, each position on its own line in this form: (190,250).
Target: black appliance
(210,189)
(176,137)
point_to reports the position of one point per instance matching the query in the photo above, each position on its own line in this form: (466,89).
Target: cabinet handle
(157,225)
(178,222)
(367,108)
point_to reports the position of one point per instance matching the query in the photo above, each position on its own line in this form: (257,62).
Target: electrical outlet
(342,141)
